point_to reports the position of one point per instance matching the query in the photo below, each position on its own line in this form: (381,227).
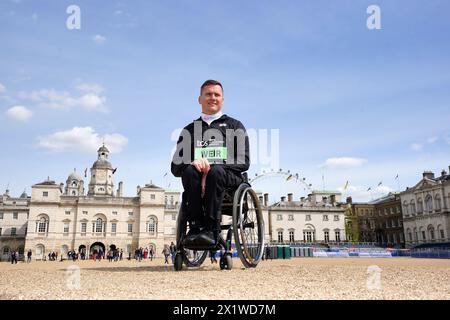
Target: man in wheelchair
(211,155)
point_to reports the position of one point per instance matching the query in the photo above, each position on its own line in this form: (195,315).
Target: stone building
(426,208)
(318,218)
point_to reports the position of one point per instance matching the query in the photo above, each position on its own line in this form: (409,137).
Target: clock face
(101,175)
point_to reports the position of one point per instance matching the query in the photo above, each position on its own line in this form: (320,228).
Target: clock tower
(101,183)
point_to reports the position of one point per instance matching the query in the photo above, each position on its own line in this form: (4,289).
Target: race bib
(211,153)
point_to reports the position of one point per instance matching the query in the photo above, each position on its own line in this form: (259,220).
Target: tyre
(248,226)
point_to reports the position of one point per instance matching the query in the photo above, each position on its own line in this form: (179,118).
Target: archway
(40,252)
(96,248)
(82,251)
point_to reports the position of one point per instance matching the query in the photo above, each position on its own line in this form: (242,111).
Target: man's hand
(202,165)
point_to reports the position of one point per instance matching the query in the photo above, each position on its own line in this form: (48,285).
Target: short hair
(210,83)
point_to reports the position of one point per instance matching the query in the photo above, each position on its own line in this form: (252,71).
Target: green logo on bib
(211,153)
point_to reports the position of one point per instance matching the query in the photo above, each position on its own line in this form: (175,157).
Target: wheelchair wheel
(191,258)
(248,226)
(226,262)
(178,262)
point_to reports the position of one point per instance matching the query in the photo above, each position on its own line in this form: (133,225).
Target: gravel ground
(296,278)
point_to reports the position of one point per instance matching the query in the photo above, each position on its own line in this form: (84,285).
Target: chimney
(443,173)
(428,174)
(138,190)
(261,199)
(283,199)
(349,200)
(266,199)
(120,189)
(302,199)
(333,199)
(290,197)
(324,199)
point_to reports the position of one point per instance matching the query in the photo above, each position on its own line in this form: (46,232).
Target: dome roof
(102,164)
(103,149)
(74,176)
(24,195)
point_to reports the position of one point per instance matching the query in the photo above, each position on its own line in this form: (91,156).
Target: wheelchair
(247,227)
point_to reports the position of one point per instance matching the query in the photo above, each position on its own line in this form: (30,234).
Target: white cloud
(90,88)
(98,39)
(343,163)
(416,146)
(2,88)
(81,139)
(432,140)
(19,113)
(50,98)
(361,193)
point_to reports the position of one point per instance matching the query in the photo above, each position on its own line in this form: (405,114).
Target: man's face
(211,99)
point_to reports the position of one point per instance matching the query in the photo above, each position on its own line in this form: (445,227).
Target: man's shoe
(206,239)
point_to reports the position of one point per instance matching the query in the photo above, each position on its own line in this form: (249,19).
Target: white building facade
(319,218)
(426,208)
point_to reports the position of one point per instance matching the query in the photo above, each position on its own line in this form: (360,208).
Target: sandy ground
(296,278)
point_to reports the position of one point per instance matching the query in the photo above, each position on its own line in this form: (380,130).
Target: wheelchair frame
(236,205)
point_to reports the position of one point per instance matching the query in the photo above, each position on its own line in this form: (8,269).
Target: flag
(396,177)
(346,185)
(370,188)
(85,173)
(114,171)
(381,182)
(290,177)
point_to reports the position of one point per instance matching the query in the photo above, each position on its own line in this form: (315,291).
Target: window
(5,250)
(291,236)
(280,236)
(432,234)
(0,231)
(279,217)
(174,216)
(336,217)
(291,217)
(130,213)
(424,235)
(114,213)
(419,206)
(429,203)
(152,197)
(42,225)
(307,236)
(15,215)
(85,212)
(67,212)
(308,217)
(325,217)
(83,227)
(338,236)
(13,231)
(113,227)
(326,236)
(152,226)
(66,227)
(45,194)
(130,228)
(99,225)
(442,233)
(1,215)
(437,203)
(410,236)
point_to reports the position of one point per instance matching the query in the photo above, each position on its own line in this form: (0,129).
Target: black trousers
(206,210)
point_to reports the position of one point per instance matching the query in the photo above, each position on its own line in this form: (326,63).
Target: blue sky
(351,104)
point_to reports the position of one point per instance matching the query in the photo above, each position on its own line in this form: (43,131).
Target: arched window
(437,202)
(6,250)
(408,232)
(413,207)
(419,205)
(416,236)
(429,203)
(440,232)
(431,232)
(42,224)
(99,225)
(280,235)
(152,225)
(74,193)
(74,184)
(406,208)
(291,235)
